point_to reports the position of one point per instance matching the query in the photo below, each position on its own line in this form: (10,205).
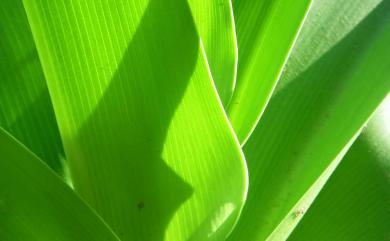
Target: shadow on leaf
(118,166)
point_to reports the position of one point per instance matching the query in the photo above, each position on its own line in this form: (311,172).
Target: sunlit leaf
(266,31)
(146,137)
(316,114)
(215,23)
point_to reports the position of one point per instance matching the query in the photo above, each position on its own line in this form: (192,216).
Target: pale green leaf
(355,203)
(146,138)
(25,107)
(266,31)
(215,23)
(36,205)
(312,119)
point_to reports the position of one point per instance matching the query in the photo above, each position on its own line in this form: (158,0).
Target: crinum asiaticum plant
(173,120)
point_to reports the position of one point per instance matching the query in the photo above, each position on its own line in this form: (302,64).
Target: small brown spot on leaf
(141,205)
(298,213)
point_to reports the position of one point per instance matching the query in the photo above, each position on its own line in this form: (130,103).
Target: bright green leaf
(146,138)
(215,23)
(36,205)
(266,31)
(354,204)
(311,120)
(25,107)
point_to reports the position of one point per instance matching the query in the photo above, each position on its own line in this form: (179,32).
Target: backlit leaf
(313,117)
(266,31)
(146,137)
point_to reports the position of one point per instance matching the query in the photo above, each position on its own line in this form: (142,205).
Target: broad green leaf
(36,205)
(314,117)
(354,204)
(294,216)
(146,138)
(266,32)
(25,107)
(334,21)
(215,23)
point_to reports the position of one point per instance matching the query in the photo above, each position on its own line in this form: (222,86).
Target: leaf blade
(215,24)
(37,205)
(135,150)
(313,117)
(25,106)
(354,202)
(266,32)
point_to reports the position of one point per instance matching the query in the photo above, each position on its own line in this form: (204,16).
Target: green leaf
(291,220)
(25,107)
(36,205)
(266,32)
(314,116)
(215,23)
(354,204)
(146,138)
(334,21)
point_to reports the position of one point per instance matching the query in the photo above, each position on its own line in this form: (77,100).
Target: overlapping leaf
(25,106)
(215,23)
(146,138)
(266,31)
(148,142)
(354,204)
(317,111)
(36,205)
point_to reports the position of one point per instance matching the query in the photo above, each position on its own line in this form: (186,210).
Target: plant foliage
(175,120)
